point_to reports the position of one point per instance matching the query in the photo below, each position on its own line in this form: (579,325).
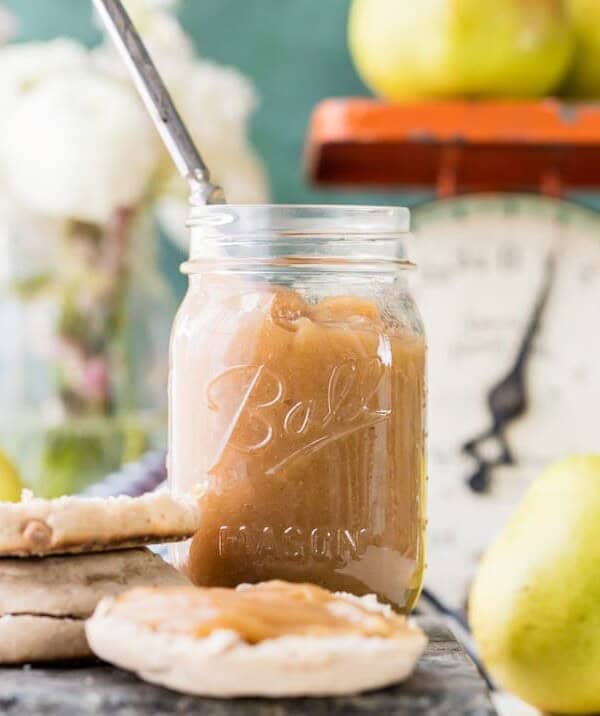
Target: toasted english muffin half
(72,585)
(37,527)
(27,638)
(44,601)
(200,641)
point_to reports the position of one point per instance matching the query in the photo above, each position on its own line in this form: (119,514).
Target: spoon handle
(159,102)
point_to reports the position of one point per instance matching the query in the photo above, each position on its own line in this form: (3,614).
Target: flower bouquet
(84,309)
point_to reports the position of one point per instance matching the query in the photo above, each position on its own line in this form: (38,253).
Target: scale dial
(484,262)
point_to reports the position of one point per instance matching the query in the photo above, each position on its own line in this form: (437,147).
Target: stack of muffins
(59,558)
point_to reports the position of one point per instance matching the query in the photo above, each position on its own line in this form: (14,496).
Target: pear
(535,603)
(583,80)
(10,484)
(419,49)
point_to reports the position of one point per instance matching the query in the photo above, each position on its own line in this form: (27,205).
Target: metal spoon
(159,103)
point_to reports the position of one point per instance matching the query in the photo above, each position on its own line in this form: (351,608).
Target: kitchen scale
(510,293)
(509,288)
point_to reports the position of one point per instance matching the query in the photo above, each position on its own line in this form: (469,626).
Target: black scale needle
(508,399)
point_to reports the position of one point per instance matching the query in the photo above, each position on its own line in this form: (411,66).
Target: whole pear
(535,602)
(583,79)
(419,49)
(10,484)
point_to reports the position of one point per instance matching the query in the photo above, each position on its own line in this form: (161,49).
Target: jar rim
(299,234)
(237,220)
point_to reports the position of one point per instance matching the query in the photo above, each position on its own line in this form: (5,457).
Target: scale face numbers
(483,263)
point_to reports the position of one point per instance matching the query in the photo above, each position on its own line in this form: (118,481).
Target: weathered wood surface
(445,684)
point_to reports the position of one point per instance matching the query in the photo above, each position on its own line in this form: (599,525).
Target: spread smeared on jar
(256,613)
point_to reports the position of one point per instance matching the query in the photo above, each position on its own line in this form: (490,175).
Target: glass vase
(84,316)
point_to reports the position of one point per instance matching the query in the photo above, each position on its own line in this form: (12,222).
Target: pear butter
(302,427)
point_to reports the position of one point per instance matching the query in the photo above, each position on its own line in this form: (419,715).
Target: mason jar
(297,400)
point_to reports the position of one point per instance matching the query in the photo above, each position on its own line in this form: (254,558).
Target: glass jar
(297,400)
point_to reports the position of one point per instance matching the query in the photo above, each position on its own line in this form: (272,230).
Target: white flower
(24,67)
(78,145)
(76,142)
(163,36)
(216,102)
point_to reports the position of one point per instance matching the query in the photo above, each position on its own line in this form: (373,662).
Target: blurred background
(247,80)
(294,53)
(482,117)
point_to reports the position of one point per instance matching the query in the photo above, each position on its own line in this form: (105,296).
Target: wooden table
(445,684)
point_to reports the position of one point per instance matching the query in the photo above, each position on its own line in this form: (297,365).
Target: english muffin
(37,527)
(44,602)
(272,639)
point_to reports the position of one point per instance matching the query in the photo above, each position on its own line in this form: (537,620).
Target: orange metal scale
(454,146)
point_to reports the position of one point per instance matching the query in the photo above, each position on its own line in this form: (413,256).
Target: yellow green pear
(420,49)
(535,603)
(10,485)
(583,79)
